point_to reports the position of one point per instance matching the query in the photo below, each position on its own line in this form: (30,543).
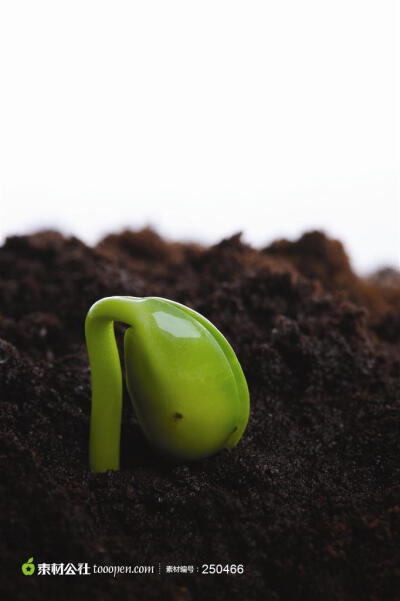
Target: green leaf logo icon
(28,568)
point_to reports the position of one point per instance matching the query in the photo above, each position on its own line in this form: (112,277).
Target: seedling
(184,380)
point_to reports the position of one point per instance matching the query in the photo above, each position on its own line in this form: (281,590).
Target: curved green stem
(105,420)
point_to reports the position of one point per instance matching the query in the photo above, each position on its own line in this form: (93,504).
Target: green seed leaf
(185,382)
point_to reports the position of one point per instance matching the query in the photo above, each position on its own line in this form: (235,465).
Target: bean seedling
(185,382)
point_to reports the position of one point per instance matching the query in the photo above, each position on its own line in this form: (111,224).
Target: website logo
(28,568)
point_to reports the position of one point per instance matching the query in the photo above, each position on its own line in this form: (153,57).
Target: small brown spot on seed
(177,415)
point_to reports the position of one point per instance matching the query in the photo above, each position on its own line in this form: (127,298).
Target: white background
(202,119)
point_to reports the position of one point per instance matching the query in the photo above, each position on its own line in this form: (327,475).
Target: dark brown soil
(309,501)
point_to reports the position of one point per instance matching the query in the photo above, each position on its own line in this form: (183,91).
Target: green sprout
(185,382)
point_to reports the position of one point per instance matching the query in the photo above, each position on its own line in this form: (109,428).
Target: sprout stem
(105,420)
